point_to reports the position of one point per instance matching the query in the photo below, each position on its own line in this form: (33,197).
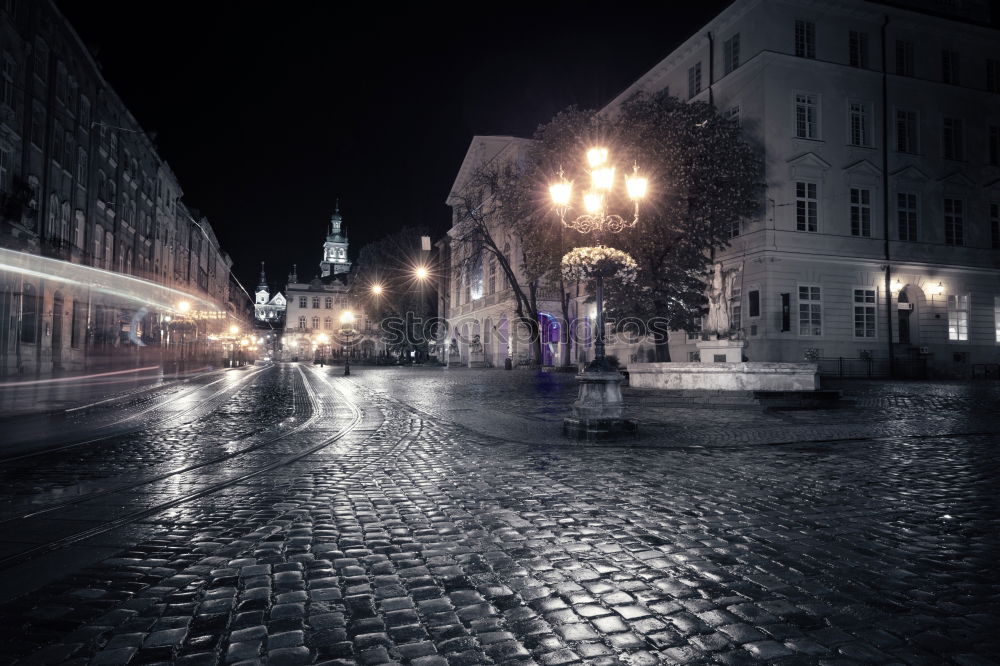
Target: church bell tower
(335,248)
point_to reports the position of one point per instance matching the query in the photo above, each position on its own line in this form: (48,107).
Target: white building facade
(879,127)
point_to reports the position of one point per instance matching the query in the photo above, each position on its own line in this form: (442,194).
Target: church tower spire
(335,248)
(263,293)
(263,278)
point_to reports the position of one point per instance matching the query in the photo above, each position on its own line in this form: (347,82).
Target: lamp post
(421,273)
(598,412)
(347,330)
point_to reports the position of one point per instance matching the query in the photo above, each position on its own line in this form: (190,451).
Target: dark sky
(269,112)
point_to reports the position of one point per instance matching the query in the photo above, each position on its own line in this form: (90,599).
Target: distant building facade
(269,311)
(880,131)
(314,308)
(82,183)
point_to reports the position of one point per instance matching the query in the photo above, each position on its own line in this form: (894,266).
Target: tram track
(318,412)
(173,416)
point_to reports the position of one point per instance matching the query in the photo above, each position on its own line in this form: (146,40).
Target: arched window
(29,314)
(64,221)
(52,228)
(112,192)
(102,186)
(98,243)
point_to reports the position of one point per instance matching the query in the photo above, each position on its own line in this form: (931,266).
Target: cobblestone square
(290,515)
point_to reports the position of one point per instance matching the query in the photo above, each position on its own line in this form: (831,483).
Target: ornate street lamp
(347,330)
(598,412)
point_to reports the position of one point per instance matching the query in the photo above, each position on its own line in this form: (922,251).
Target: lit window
(864,313)
(996,316)
(958,317)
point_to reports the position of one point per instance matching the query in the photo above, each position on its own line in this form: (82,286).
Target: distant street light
(347,330)
(421,272)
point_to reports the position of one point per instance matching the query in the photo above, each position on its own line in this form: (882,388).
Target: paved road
(445,522)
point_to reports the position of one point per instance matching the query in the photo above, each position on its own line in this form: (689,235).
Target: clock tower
(335,248)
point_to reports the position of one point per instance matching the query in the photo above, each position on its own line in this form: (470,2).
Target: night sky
(267,117)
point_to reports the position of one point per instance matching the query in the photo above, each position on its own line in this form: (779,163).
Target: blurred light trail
(126,287)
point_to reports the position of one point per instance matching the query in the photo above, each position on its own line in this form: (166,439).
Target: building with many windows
(879,231)
(82,184)
(313,325)
(880,131)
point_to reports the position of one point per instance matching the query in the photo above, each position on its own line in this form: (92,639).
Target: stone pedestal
(477,359)
(599,412)
(455,360)
(721,351)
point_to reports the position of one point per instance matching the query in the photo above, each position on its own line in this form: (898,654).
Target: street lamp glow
(593,202)
(184,306)
(377,289)
(421,272)
(636,185)
(347,318)
(561,192)
(603,178)
(234,329)
(597,156)
(322,338)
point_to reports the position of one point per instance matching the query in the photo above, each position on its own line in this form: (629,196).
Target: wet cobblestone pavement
(447,523)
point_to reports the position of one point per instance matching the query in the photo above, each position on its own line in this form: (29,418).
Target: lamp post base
(598,413)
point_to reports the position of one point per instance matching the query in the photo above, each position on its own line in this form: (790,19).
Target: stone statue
(476,346)
(453,347)
(720,306)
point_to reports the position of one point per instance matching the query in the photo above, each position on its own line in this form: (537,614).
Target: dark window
(731,53)
(79,324)
(753,298)
(29,314)
(904,58)
(858,46)
(805,39)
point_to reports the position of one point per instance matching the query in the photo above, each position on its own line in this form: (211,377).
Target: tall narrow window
(328,303)
(731,53)
(904,58)
(949,67)
(993,75)
(29,314)
(328,323)
(994,145)
(906,215)
(41,60)
(736,307)
(805,39)
(79,330)
(806,116)
(7,90)
(958,317)
(806,203)
(492,284)
(810,311)
(954,222)
(315,323)
(861,212)
(952,141)
(5,169)
(907,123)
(694,80)
(303,302)
(864,313)
(860,116)
(85,113)
(858,48)
(753,302)
(302,322)
(995,225)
